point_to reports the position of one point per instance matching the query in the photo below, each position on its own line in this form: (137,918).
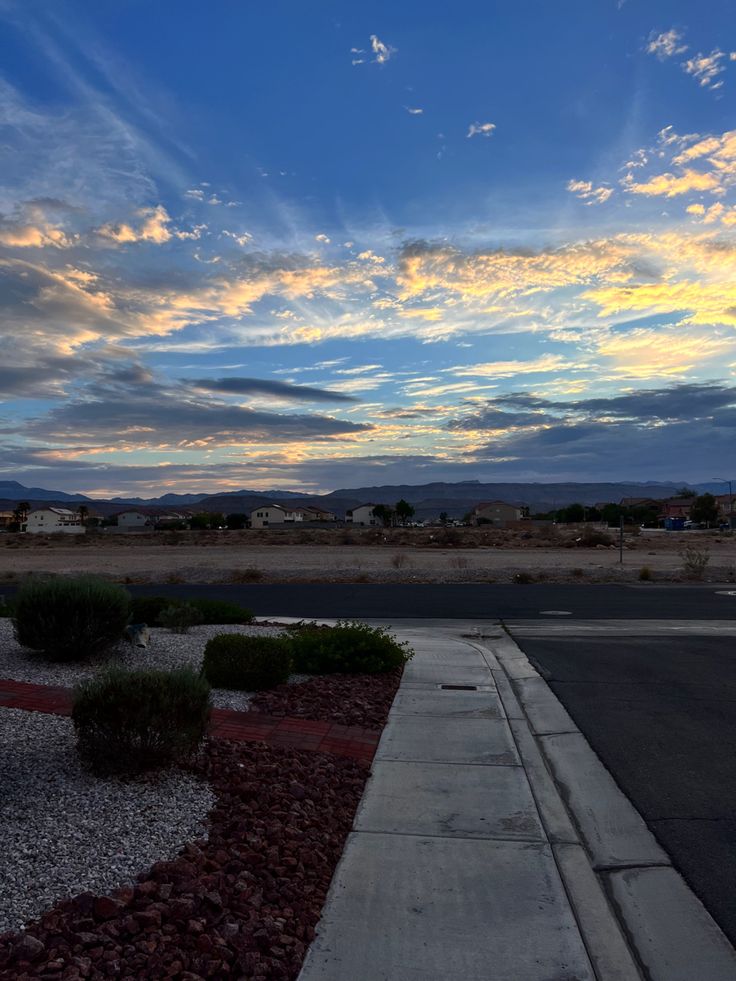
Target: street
(660,711)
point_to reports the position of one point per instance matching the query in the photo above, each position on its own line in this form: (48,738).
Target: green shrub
(131,721)
(645,573)
(178,619)
(348,648)
(70,619)
(148,609)
(246,663)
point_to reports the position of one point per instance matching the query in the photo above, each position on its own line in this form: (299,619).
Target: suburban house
(312,513)
(676,507)
(52,520)
(362,515)
(277,514)
(496,513)
(133,520)
(274,514)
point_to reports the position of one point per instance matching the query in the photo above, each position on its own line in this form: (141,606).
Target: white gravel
(65,831)
(165,650)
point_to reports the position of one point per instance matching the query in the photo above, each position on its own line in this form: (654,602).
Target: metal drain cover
(459,687)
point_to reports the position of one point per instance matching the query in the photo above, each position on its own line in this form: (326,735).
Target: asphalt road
(661,714)
(466,600)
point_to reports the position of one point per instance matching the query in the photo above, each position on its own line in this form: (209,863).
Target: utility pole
(621,540)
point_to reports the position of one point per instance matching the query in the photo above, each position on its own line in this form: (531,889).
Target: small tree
(83,512)
(404,511)
(686,492)
(444,517)
(236,522)
(704,509)
(20,514)
(385,514)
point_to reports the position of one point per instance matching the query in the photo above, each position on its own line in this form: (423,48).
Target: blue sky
(312,246)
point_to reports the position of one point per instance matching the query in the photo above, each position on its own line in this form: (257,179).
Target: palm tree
(20,513)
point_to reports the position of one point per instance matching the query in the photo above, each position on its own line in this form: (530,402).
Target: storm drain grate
(459,687)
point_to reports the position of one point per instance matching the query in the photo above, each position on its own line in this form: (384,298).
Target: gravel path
(166,650)
(65,831)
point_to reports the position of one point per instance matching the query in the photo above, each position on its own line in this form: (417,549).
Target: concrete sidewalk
(465,863)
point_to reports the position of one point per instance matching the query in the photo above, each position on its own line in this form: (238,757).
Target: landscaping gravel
(166,650)
(347,699)
(65,831)
(242,904)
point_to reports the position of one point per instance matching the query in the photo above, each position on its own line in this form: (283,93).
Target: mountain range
(427,499)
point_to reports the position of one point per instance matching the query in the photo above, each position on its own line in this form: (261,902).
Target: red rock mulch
(242,905)
(348,699)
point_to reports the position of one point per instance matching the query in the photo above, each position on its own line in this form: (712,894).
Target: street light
(730,499)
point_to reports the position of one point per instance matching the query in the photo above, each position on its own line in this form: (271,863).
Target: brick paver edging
(322,737)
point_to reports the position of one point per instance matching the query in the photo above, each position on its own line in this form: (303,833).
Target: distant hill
(11,490)
(172,500)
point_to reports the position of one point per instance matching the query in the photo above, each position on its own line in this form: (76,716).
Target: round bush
(246,663)
(70,619)
(131,721)
(348,648)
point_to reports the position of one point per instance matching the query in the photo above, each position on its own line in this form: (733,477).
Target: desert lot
(393,555)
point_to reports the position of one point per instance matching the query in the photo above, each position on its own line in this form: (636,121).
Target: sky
(327,245)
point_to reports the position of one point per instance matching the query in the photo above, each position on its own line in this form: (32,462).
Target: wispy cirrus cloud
(378,54)
(480,129)
(706,69)
(666,44)
(586,191)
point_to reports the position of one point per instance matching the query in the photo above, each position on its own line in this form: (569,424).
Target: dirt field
(392,555)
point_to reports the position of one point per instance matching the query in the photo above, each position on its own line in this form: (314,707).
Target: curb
(638,917)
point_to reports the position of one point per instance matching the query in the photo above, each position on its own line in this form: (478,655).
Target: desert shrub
(591,537)
(522,577)
(130,721)
(348,648)
(246,663)
(70,619)
(694,561)
(399,560)
(645,573)
(578,573)
(179,618)
(148,609)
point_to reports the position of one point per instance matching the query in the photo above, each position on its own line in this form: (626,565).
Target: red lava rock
(241,905)
(346,699)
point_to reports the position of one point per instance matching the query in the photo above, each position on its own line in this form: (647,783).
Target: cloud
(481,129)
(671,185)
(139,415)
(508,369)
(381,52)
(153,227)
(414,110)
(666,44)
(242,238)
(322,238)
(262,386)
(18,235)
(588,193)
(706,68)
(195,193)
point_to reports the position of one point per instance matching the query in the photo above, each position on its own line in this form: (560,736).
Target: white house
(274,514)
(133,520)
(362,515)
(51,520)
